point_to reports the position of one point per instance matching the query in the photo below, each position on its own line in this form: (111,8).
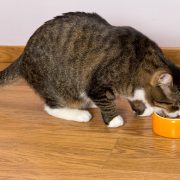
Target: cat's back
(81,17)
(75,21)
(75,42)
(65,30)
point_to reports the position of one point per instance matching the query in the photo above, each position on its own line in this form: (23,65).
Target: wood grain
(173,54)
(36,146)
(10,53)
(4,65)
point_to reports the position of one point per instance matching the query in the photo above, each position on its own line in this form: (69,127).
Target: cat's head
(161,95)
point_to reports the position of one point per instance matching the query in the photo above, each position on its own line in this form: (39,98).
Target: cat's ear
(161,78)
(165,79)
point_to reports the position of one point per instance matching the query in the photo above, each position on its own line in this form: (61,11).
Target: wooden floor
(36,146)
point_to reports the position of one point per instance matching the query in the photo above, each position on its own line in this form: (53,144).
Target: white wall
(159,19)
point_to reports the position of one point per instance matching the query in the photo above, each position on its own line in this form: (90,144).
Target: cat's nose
(159,111)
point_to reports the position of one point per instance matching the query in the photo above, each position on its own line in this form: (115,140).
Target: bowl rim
(164,118)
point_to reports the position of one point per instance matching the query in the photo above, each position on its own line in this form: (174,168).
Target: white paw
(69,114)
(83,116)
(147,112)
(116,122)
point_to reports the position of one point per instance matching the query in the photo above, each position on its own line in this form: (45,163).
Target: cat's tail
(11,72)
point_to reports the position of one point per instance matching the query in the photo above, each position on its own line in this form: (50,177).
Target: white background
(158,19)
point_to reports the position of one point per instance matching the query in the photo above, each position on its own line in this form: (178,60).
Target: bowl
(166,127)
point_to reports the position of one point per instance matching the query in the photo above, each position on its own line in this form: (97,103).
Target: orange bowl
(165,126)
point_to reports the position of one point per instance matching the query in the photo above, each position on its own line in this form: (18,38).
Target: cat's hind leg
(69,113)
(67,109)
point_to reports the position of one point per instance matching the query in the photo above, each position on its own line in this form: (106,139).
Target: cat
(78,60)
(138,106)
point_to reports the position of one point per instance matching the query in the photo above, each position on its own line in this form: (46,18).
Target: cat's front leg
(113,122)
(107,106)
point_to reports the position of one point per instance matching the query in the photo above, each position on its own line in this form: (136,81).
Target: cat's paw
(116,122)
(147,112)
(83,116)
(69,114)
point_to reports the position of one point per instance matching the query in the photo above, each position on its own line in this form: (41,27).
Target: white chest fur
(139,94)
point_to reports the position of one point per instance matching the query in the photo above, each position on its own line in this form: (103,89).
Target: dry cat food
(165,116)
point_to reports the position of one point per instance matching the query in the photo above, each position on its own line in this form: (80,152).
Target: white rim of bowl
(169,119)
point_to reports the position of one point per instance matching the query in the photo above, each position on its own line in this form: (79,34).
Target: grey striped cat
(78,60)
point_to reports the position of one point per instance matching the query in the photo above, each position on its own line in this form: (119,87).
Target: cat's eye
(162,104)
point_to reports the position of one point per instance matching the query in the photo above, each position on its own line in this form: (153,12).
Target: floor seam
(107,159)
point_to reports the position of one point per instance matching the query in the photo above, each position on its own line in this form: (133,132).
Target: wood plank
(150,154)
(4,65)
(173,54)
(10,53)
(34,145)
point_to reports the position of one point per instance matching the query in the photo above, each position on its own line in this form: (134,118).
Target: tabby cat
(78,60)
